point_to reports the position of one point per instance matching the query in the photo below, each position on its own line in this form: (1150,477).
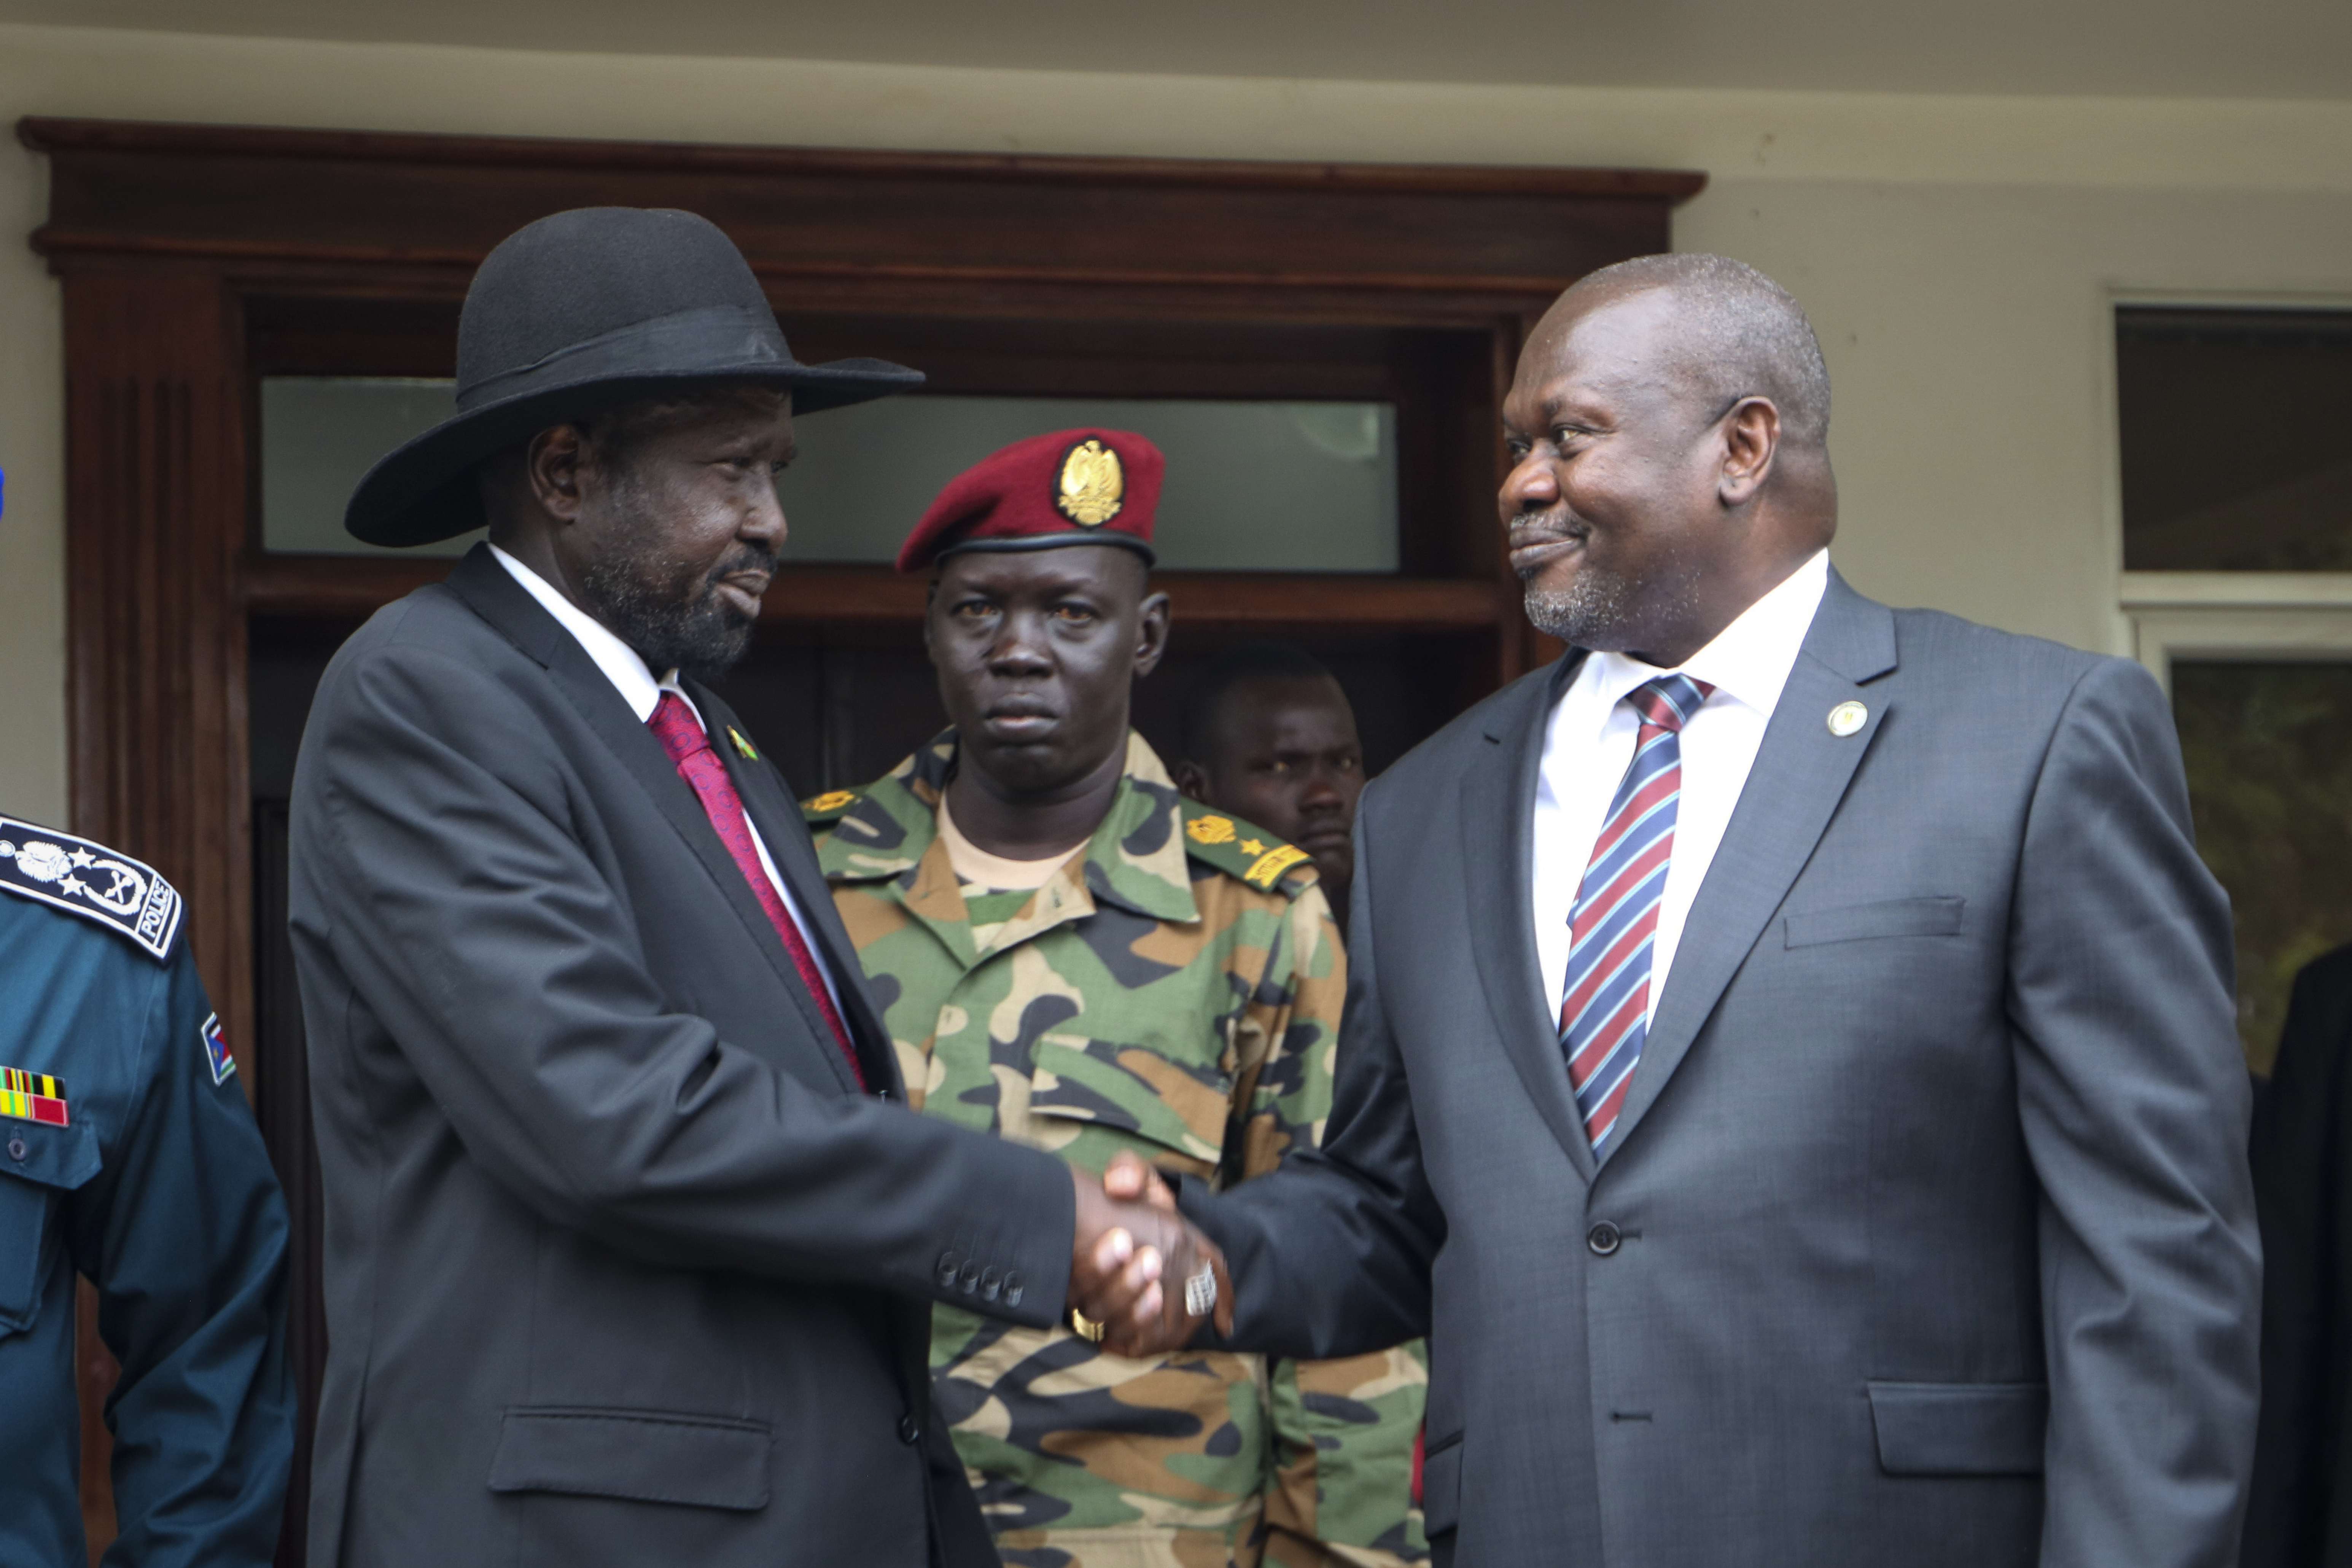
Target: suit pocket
(1441,1487)
(1858,922)
(646,1456)
(1959,1428)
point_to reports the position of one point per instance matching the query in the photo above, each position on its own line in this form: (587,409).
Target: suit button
(990,1284)
(1604,1238)
(1012,1289)
(968,1280)
(947,1268)
(16,1149)
(910,1431)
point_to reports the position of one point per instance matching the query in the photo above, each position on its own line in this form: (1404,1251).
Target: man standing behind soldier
(1270,738)
(1071,956)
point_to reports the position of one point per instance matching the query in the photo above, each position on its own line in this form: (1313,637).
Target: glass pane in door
(1251,486)
(2268,755)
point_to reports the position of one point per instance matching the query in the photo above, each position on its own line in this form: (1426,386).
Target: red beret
(1072,487)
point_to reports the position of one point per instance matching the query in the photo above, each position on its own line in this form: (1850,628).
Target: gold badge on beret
(1093,486)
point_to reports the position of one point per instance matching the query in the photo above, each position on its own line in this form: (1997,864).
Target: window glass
(319,435)
(1266,487)
(2234,454)
(2269,757)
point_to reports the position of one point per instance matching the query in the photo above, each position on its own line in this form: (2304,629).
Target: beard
(1590,612)
(670,610)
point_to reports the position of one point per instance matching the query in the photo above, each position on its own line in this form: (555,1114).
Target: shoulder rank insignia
(32,1097)
(89,880)
(216,1051)
(1239,849)
(826,807)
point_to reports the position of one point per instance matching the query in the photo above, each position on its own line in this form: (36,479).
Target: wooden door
(196,260)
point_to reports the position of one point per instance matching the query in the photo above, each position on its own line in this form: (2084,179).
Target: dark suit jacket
(1924,1236)
(2300,1515)
(621,1268)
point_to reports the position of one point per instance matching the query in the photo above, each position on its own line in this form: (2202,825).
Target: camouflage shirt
(1174,989)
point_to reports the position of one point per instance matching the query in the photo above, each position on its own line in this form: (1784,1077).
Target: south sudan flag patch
(216,1051)
(32,1097)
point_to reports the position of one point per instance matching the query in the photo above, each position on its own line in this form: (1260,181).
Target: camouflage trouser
(1082,1459)
(1123,1548)
(1341,1493)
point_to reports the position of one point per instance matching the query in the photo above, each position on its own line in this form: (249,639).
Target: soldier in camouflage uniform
(1069,954)
(1269,735)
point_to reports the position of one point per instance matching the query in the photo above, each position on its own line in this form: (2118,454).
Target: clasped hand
(1132,1257)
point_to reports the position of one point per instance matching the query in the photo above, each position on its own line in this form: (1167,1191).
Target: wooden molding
(46,134)
(156,504)
(955,229)
(155,648)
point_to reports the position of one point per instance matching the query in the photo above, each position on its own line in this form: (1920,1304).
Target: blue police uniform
(128,1154)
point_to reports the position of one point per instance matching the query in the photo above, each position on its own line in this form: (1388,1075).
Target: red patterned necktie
(689,747)
(1604,1007)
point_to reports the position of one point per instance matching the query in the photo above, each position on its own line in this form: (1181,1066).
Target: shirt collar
(1750,661)
(622,665)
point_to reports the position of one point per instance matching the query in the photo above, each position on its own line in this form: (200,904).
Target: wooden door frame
(161,235)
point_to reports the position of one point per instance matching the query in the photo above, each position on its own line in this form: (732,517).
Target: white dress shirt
(633,680)
(1589,744)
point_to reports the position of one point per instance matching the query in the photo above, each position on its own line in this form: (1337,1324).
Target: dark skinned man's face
(1036,652)
(1285,756)
(672,547)
(1611,505)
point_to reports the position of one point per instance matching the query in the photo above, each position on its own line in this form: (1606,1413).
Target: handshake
(1142,1279)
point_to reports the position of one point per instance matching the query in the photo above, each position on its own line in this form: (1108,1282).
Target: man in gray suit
(632,1244)
(1788,1067)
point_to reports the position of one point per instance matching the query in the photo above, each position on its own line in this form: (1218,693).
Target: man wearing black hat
(631,1243)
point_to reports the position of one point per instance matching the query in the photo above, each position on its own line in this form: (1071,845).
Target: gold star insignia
(1252,846)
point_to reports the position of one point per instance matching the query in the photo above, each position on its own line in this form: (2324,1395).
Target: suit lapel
(777,817)
(498,599)
(1498,795)
(1800,774)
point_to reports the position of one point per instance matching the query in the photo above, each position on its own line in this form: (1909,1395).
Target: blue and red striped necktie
(1604,1009)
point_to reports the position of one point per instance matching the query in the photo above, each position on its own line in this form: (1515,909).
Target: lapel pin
(1846,717)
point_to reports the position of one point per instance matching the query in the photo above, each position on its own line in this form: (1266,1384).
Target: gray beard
(670,613)
(1589,613)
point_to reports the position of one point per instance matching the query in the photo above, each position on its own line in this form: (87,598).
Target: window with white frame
(2235,447)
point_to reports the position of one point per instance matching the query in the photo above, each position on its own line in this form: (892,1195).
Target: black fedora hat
(575,315)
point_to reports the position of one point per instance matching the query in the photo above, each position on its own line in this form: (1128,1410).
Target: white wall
(1957,254)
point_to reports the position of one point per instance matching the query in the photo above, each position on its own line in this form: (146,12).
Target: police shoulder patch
(92,881)
(1240,849)
(828,807)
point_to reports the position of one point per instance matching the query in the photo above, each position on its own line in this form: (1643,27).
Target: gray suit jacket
(1925,1237)
(621,1268)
